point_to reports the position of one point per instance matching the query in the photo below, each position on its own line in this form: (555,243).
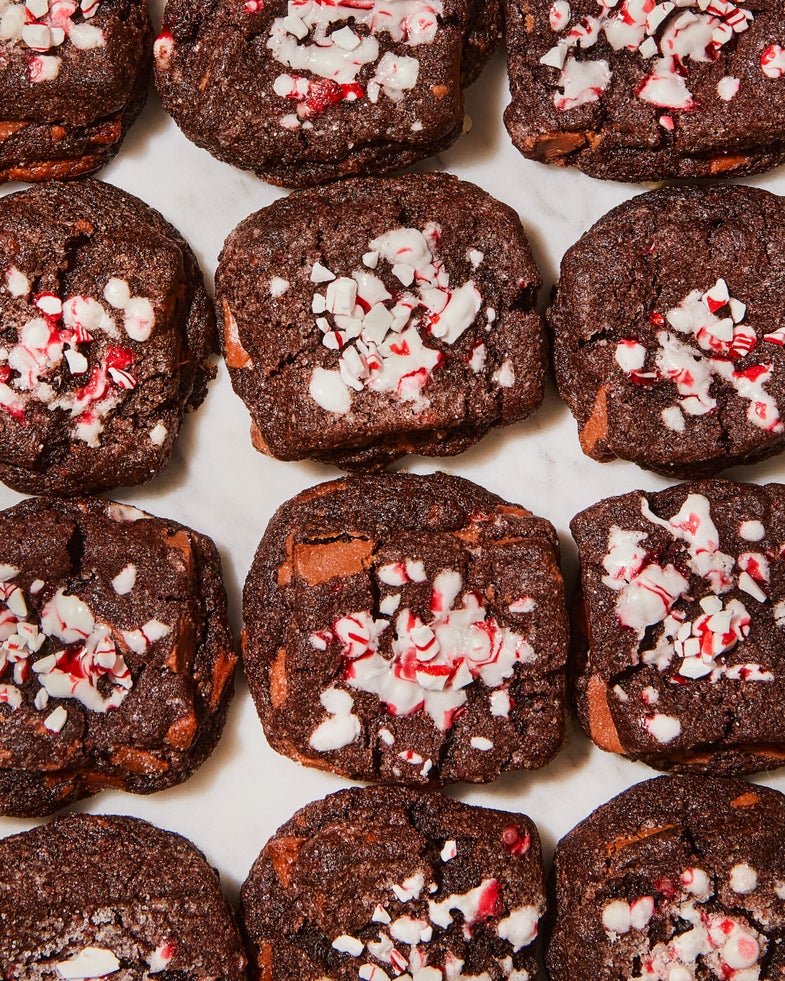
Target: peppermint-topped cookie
(304,91)
(645,89)
(73,77)
(116,657)
(676,879)
(375,317)
(106,328)
(88,898)
(407,628)
(680,627)
(384,883)
(668,330)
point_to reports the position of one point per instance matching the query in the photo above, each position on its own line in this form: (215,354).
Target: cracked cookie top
(306,91)
(407,628)
(680,626)
(105,330)
(87,898)
(676,879)
(116,658)
(668,330)
(381,883)
(387,316)
(642,90)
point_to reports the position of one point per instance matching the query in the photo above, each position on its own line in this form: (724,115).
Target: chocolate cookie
(676,879)
(106,328)
(668,329)
(116,658)
(680,631)
(375,318)
(386,882)
(640,90)
(408,628)
(305,91)
(93,897)
(73,77)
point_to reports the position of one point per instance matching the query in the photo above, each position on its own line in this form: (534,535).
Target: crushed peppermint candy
(726,945)
(54,345)
(648,595)
(46,25)
(714,322)
(670,38)
(432,662)
(772,61)
(647,590)
(403,945)
(381,336)
(84,662)
(328,45)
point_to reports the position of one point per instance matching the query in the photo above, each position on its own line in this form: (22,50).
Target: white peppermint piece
(616,917)
(89,964)
(18,284)
(138,318)
(86,36)
(321,274)
(504,376)
(349,945)
(341,728)
(158,434)
(77,363)
(664,728)
(481,743)
(117,293)
(278,286)
(727,87)
(752,531)
(743,879)
(500,703)
(330,391)
(520,927)
(55,721)
(674,419)
(12,22)
(125,580)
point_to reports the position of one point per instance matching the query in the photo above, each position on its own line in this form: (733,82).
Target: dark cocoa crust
(619,137)
(73,237)
(501,550)
(646,256)
(117,883)
(74,124)
(220,48)
(728,727)
(322,873)
(639,843)
(171,719)
(333,225)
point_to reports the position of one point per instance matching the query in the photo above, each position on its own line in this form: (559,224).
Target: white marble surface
(220,485)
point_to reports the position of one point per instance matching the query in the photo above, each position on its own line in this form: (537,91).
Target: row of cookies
(397,627)
(676,879)
(306,91)
(379,317)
